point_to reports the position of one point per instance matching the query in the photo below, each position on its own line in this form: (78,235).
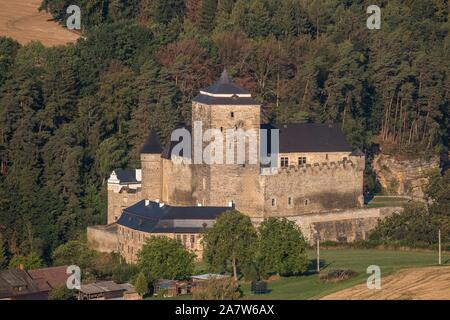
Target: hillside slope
(22,21)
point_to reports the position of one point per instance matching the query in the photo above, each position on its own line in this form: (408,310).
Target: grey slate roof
(310,137)
(126,176)
(225,86)
(152,145)
(299,137)
(152,218)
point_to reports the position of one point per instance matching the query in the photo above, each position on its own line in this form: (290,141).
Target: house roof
(101,287)
(298,137)
(14,283)
(152,145)
(153,217)
(50,278)
(208,276)
(225,92)
(127,176)
(310,137)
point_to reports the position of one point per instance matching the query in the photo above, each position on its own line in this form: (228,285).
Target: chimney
(231,204)
(161,205)
(147,203)
(21,267)
(157,200)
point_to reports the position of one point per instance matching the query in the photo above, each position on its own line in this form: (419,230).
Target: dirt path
(432,283)
(21,20)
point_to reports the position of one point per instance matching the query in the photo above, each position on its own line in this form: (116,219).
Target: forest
(71,114)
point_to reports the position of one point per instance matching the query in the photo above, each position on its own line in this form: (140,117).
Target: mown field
(22,21)
(311,287)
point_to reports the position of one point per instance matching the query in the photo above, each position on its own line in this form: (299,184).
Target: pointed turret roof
(224,91)
(152,145)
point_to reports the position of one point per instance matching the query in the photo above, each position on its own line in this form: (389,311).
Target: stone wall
(313,157)
(103,238)
(343,226)
(119,200)
(130,242)
(178,184)
(152,173)
(314,188)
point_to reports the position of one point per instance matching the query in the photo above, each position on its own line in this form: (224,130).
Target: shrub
(218,289)
(337,275)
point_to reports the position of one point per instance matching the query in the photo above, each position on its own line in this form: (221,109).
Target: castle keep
(316,172)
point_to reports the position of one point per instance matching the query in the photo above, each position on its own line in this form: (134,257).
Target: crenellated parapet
(314,168)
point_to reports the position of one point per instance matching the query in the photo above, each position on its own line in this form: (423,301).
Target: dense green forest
(71,114)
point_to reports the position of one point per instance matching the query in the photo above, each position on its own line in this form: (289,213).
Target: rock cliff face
(403,177)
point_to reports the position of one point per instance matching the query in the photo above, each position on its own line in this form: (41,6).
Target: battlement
(311,168)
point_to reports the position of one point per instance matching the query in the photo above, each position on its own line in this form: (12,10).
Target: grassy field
(387,201)
(310,287)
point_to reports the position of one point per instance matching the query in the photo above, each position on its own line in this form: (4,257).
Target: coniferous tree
(208,15)
(3,258)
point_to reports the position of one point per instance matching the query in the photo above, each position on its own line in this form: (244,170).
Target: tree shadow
(312,266)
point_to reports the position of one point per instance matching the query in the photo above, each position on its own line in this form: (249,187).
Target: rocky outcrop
(403,177)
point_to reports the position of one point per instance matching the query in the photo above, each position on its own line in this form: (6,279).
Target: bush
(61,293)
(218,289)
(413,227)
(124,273)
(28,262)
(337,275)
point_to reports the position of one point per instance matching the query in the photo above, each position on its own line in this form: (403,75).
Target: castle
(316,172)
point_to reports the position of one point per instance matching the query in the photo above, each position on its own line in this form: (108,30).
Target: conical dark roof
(224,91)
(225,85)
(152,145)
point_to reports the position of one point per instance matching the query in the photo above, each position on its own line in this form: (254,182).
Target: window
(232,114)
(284,162)
(274,202)
(192,241)
(301,161)
(179,237)
(184,239)
(326,156)
(306,202)
(289,201)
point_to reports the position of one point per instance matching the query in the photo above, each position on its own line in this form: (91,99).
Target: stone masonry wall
(341,226)
(314,188)
(152,173)
(117,201)
(313,157)
(130,242)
